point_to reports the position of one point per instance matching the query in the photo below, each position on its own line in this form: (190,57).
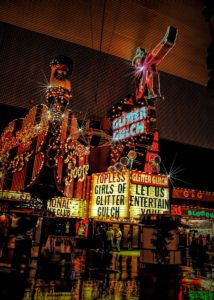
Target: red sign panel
(192,194)
(176,210)
(149,179)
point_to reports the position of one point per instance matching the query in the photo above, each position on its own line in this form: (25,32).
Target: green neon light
(201,294)
(201,213)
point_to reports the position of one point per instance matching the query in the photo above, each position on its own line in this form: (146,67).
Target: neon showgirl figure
(145,64)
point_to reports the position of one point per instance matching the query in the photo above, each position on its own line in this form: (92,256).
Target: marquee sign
(110,195)
(130,124)
(66,207)
(114,195)
(148,200)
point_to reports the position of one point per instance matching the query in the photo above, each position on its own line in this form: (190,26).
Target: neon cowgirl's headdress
(63,60)
(140,53)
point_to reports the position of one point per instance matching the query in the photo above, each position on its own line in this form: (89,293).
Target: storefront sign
(148,200)
(200,213)
(192,194)
(14,196)
(149,179)
(67,207)
(110,195)
(130,124)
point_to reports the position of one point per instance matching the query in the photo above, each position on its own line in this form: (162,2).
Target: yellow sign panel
(110,195)
(148,200)
(10,195)
(66,207)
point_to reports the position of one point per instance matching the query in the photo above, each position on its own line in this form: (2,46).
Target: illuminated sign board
(15,196)
(146,199)
(130,124)
(192,194)
(200,213)
(110,195)
(67,207)
(149,179)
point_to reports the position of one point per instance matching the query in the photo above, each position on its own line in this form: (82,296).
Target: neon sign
(130,124)
(200,213)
